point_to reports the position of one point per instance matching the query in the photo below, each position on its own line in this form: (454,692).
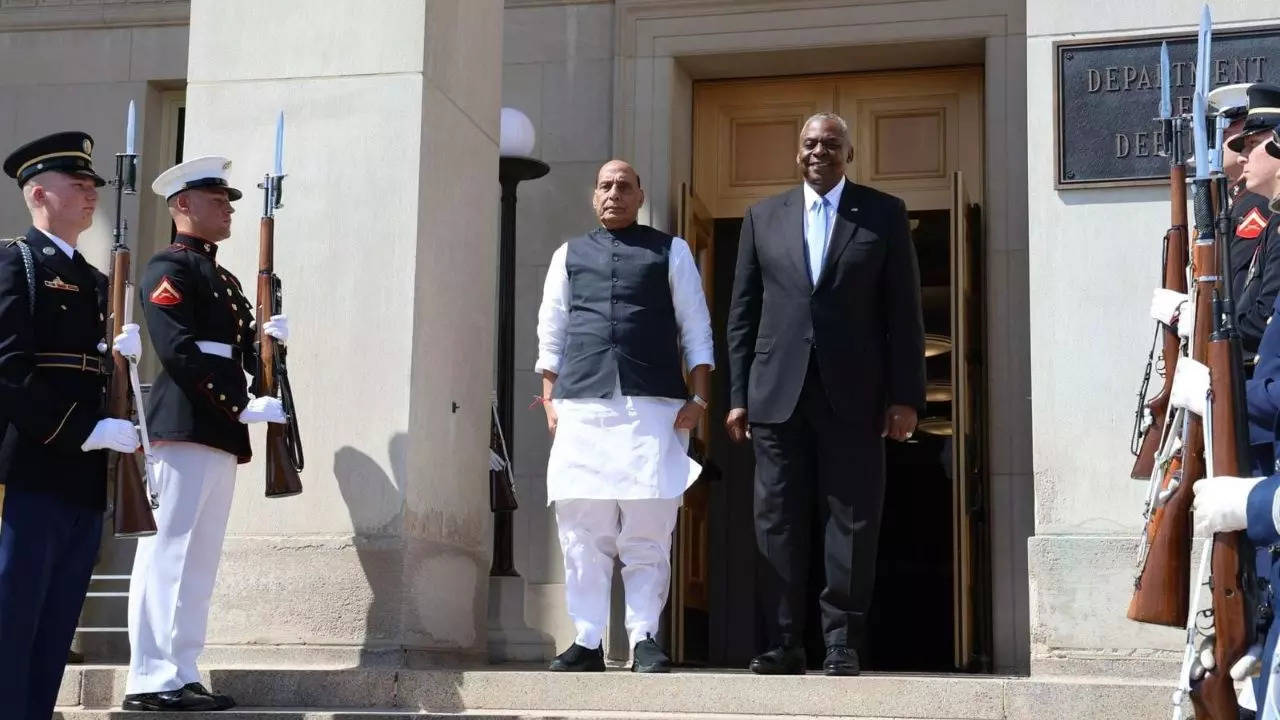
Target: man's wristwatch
(698,399)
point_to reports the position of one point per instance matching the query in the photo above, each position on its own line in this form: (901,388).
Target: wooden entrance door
(690,550)
(918,135)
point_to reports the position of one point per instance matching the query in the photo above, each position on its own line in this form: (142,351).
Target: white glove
(1190,386)
(278,328)
(496,463)
(263,409)
(112,434)
(1167,305)
(128,343)
(1221,503)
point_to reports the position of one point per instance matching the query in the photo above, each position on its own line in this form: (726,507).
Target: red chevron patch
(1251,225)
(165,293)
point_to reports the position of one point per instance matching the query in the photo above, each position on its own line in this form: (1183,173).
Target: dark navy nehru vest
(622,322)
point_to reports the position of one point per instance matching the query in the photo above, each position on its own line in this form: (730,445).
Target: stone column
(387,248)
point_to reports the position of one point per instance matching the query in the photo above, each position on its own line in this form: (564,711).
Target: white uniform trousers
(174,570)
(592,534)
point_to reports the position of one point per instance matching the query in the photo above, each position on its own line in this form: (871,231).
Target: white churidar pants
(592,534)
(174,570)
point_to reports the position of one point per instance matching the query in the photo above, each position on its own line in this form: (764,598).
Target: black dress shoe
(170,700)
(649,658)
(841,661)
(579,659)
(779,661)
(224,702)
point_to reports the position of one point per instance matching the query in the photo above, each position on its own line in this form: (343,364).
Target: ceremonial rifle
(1213,693)
(284,442)
(1149,424)
(1213,696)
(1162,587)
(134,497)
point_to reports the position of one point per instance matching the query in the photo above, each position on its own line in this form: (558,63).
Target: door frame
(652,119)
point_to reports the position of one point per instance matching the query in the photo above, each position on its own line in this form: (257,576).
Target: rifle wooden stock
(1161,593)
(132,515)
(282,477)
(1214,697)
(1175,278)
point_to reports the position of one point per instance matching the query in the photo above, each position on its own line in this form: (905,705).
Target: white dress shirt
(833,202)
(62,245)
(622,447)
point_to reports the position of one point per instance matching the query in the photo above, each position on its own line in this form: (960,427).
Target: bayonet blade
(1203,51)
(1166,92)
(1200,136)
(278,166)
(1220,128)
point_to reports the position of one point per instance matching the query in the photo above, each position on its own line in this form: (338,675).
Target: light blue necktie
(816,238)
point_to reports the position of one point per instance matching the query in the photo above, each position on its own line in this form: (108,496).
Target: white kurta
(622,448)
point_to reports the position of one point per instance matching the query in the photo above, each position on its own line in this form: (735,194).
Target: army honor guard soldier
(53,462)
(200,324)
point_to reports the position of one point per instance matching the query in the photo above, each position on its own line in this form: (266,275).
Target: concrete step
(305,714)
(516,693)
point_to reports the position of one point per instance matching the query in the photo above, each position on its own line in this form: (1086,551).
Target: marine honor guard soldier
(53,462)
(1255,263)
(200,324)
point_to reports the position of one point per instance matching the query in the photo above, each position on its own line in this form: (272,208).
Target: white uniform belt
(209,347)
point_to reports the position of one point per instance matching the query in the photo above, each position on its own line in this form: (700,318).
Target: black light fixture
(514,166)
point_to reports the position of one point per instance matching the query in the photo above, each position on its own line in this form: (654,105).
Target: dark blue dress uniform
(51,396)
(198,397)
(1262,400)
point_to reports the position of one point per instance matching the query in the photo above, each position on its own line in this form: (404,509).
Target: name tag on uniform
(60,284)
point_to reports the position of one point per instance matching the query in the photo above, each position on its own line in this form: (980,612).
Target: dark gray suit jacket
(862,319)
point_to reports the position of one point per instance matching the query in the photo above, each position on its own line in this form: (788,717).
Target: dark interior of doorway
(912,620)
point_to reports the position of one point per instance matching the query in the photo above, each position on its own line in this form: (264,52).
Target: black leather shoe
(779,661)
(841,661)
(649,658)
(170,700)
(224,702)
(579,659)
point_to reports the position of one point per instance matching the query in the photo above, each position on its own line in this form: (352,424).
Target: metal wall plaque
(1108,94)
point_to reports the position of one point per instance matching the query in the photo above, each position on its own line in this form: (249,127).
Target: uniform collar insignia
(204,247)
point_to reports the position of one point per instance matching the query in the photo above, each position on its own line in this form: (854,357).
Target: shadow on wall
(375,502)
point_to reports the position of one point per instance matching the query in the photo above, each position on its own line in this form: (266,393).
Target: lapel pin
(48,251)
